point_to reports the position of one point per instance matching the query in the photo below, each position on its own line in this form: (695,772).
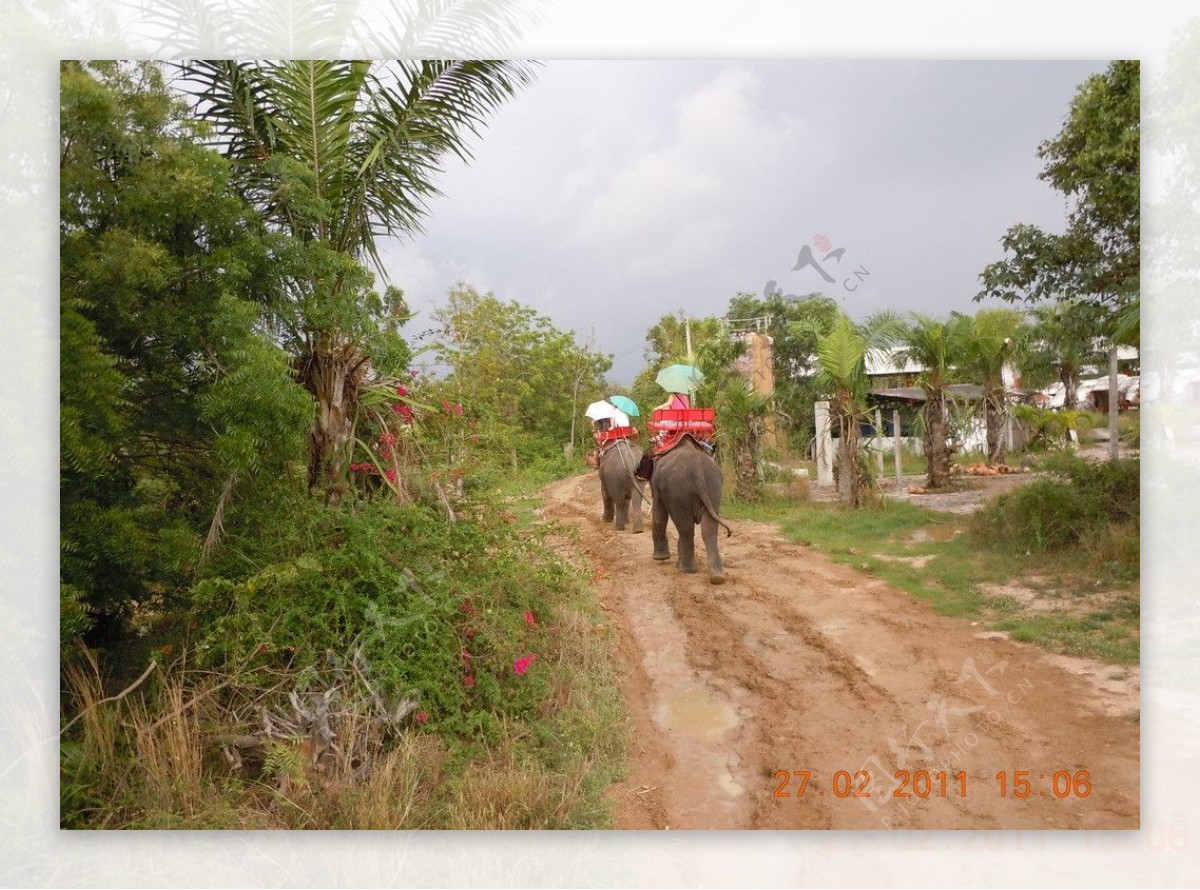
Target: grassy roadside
(1073,601)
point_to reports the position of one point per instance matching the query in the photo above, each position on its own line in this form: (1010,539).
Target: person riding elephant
(686,487)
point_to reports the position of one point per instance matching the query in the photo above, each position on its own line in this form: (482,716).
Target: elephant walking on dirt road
(618,487)
(686,485)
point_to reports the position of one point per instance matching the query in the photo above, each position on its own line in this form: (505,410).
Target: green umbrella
(626,404)
(679,378)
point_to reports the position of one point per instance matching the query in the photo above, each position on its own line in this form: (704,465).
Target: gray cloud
(611,193)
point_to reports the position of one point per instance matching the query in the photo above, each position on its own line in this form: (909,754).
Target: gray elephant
(618,488)
(686,485)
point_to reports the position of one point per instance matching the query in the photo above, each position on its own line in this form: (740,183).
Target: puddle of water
(696,711)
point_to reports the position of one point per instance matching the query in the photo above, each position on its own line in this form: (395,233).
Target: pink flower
(413,373)
(401,391)
(391,475)
(458,409)
(521,665)
(445,406)
(529,618)
(468,681)
(422,717)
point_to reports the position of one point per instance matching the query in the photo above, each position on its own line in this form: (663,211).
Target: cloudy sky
(610,193)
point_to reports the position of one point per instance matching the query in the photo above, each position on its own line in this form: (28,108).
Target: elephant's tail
(704,499)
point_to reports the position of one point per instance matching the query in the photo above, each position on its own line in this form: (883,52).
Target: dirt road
(802,672)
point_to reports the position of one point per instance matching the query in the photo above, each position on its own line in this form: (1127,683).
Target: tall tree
(337,154)
(1094,161)
(170,395)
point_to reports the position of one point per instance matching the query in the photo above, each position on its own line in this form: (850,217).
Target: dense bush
(440,611)
(1075,505)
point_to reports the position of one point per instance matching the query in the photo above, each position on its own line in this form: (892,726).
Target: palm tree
(935,345)
(841,370)
(335,154)
(994,339)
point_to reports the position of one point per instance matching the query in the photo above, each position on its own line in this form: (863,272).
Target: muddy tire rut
(800,671)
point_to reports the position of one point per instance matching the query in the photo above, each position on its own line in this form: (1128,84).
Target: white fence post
(896,445)
(877,445)
(824,448)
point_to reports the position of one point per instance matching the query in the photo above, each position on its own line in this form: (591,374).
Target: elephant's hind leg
(687,544)
(710,532)
(658,529)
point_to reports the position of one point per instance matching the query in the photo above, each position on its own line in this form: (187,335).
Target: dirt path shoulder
(805,694)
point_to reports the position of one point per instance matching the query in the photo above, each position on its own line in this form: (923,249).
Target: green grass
(959,567)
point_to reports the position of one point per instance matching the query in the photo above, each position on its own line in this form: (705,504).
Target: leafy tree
(514,371)
(938,346)
(170,396)
(336,154)
(842,373)
(1094,161)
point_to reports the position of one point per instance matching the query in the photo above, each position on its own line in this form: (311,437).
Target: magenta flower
(422,717)
(521,665)
(391,475)
(413,373)
(468,681)
(529,618)
(401,391)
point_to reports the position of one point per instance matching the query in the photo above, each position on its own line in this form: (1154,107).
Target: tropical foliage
(336,154)
(841,374)
(938,347)
(1095,162)
(995,340)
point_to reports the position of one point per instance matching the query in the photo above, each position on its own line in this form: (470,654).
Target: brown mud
(799,670)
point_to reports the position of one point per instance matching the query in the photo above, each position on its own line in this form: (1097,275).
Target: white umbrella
(603,411)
